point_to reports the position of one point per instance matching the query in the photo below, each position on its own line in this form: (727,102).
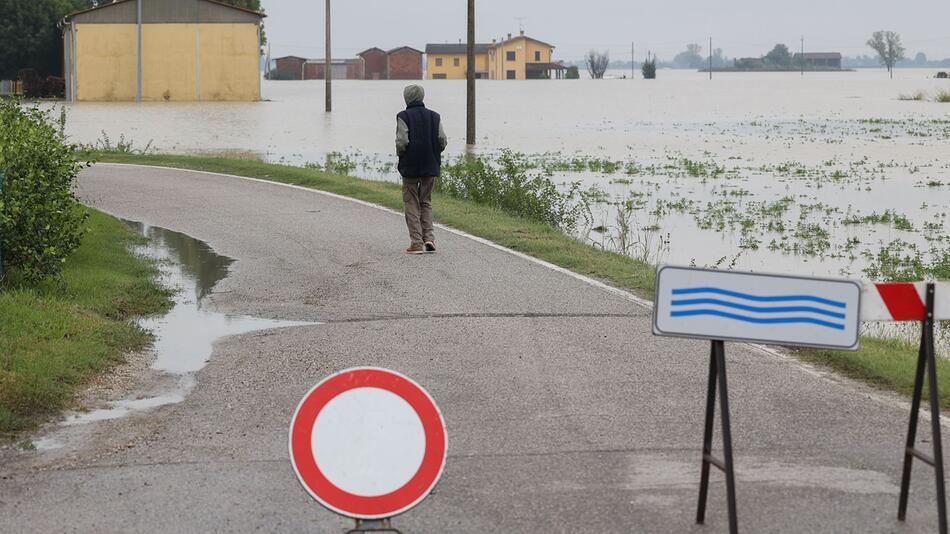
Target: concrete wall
(230,62)
(180,62)
(106,62)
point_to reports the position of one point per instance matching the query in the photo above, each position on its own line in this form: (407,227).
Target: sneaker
(416,249)
(430,246)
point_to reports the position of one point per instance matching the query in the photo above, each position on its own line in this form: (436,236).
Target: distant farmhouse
(818,60)
(812,61)
(403,63)
(180,50)
(515,58)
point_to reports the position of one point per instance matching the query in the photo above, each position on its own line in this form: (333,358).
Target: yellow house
(163,50)
(450,61)
(518,58)
(522,58)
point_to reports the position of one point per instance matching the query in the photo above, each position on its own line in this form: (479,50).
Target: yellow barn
(163,50)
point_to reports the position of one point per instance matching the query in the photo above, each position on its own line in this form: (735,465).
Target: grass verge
(889,364)
(54,337)
(886,363)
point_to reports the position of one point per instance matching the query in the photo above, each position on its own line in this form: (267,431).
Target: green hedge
(41,223)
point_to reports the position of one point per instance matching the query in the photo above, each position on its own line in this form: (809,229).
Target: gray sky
(739,27)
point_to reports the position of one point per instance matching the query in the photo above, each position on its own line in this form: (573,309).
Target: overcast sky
(739,27)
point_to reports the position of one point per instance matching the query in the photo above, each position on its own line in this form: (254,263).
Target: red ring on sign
(360,506)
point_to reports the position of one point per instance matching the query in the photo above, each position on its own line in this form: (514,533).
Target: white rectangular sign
(760,308)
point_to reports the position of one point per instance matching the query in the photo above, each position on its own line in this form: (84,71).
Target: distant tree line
(30,38)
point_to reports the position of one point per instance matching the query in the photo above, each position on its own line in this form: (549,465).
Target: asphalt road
(564,413)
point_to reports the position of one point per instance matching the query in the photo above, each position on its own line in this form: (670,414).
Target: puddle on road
(184,338)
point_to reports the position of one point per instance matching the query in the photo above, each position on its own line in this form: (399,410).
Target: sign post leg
(379,525)
(717,374)
(926,360)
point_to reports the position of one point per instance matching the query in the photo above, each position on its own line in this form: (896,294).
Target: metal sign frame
(926,360)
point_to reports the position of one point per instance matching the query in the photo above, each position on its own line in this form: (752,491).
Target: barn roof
(820,55)
(166,11)
(397,49)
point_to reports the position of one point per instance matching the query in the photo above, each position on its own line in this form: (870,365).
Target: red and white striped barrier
(903,301)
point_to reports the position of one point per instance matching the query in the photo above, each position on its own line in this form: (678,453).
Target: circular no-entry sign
(368,443)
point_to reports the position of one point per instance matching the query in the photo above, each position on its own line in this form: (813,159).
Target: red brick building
(290,68)
(341,69)
(375,64)
(405,63)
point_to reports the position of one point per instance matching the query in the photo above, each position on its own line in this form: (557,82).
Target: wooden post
(803,55)
(710,58)
(633,61)
(327,68)
(470,78)
(138,51)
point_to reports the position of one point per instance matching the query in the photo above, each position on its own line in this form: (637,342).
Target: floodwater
(184,337)
(839,150)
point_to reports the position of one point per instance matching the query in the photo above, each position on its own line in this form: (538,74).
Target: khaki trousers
(417,197)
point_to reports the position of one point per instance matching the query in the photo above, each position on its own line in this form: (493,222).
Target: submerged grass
(885,363)
(56,336)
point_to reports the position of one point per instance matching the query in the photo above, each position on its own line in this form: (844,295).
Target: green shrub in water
(41,223)
(512,185)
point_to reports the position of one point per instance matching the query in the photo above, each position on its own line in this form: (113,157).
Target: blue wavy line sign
(772,309)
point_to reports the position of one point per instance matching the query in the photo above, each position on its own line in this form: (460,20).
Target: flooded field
(827,173)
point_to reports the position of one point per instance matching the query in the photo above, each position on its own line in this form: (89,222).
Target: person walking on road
(420,141)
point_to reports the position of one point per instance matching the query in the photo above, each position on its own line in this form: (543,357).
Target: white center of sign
(368,441)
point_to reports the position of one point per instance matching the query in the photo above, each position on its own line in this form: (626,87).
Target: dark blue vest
(423,156)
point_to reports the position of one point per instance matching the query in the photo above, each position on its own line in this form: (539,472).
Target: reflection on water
(195,258)
(184,338)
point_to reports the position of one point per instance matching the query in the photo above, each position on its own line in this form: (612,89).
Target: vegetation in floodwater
(918,96)
(900,221)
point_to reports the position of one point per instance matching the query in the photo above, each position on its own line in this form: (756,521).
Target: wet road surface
(564,414)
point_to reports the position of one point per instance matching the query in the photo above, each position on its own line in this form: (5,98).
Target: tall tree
(597,63)
(779,56)
(889,49)
(690,59)
(29,37)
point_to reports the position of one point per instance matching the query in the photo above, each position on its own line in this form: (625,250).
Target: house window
(456,62)
(511,75)
(438,62)
(537,56)
(510,56)
(438,76)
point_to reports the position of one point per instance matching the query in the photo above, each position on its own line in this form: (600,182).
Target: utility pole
(633,61)
(470,78)
(138,51)
(802,60)
(327,67)
(710,58)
